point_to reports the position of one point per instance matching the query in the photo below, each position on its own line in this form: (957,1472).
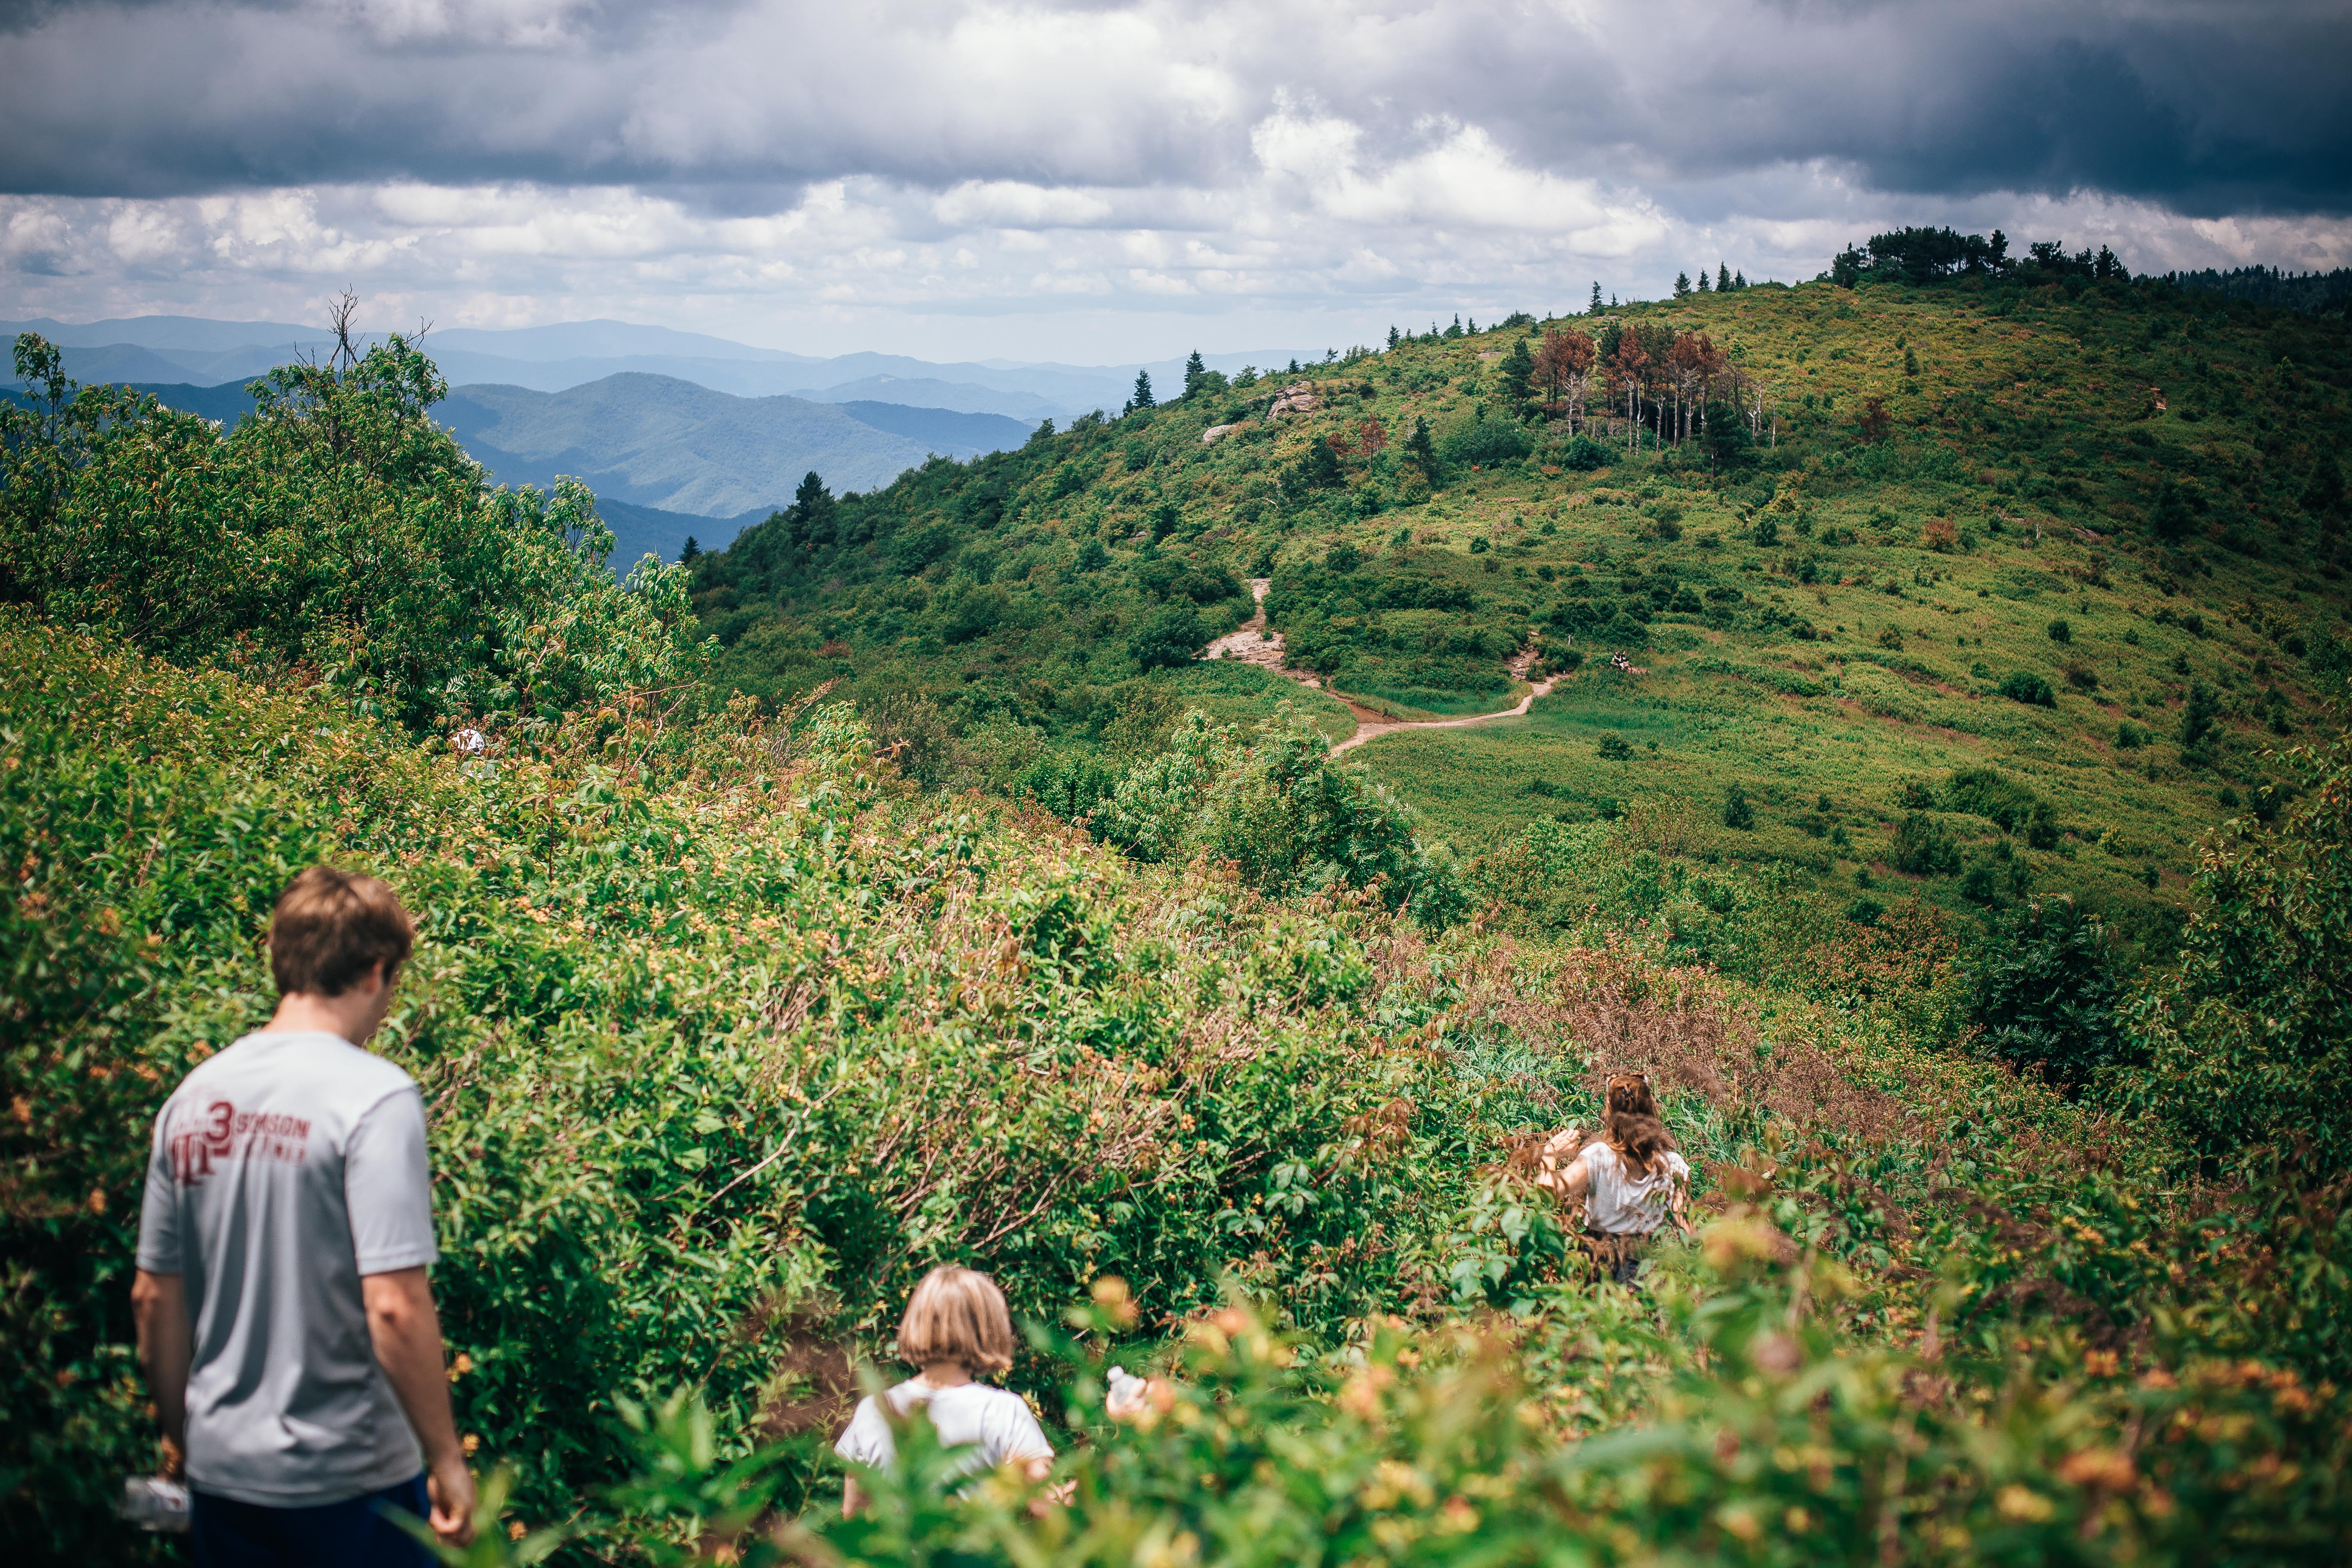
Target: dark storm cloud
(2204,109)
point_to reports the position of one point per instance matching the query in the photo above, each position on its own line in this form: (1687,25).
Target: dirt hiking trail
(1253,644)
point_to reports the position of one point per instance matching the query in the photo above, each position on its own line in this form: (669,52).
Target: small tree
(2323,496)
(1682,285)
(1194,371)
(1736,811)
(1141,398)
(1722,279)
(1876,421)
(2198,716)
(2170,522)
(1515,376)
(1421,451)
(1596,307)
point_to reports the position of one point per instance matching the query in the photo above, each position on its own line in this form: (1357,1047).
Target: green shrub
(1583,455)
(1170,636)
(1485,443)
(1613,747)
(1922,848)
(2249,1043)
(2024,686)
(1736,811)
(2046,995)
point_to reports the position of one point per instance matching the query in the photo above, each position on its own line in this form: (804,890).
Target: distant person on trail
(284,1324)
(1631,1181)
(955,1324)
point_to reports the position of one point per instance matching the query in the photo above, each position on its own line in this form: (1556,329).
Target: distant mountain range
(678,432)
(658,441)
(195,351)
(669,459)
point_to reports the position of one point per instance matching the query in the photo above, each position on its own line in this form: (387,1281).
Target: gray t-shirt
(283,1170)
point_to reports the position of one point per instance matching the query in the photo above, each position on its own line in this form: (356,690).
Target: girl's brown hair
(957,1314)
(1636,1130)
(1629,1095)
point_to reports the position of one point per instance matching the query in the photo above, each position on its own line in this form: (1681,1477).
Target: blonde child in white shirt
(955,1324)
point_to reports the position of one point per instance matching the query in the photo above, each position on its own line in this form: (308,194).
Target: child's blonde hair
(957,1314)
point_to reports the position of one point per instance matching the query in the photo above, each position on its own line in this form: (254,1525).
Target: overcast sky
(1105,181)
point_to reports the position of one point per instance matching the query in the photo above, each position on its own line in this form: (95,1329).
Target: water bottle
(154,1504)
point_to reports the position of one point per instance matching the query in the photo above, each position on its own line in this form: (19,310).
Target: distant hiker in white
(285,1323)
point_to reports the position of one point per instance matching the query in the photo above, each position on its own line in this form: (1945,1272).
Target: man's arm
(407,1333)
(159,1306)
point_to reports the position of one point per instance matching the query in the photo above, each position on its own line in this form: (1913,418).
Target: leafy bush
(1584,455)
(1922,848)
(1284,815)
(1736,811)
(1171,636)
(2249,1043)
(2047,993)
(1484,442)
(2024,686)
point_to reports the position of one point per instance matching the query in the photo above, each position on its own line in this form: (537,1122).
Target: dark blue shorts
(355,1533)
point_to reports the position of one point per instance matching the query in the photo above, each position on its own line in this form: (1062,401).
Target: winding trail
(1252,643)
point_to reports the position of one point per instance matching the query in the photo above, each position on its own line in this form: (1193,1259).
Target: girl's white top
(1622,1205)
(995,1421)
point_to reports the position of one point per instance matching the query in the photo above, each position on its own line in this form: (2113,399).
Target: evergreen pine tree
(808,522)
(1739,280)
(1294,367)
(1704,286)
(1142,397)
(1393,335)
(2170,522)
(1422,452)
(1455,330)
(1519,370)
(1194,371)
(2325,493)
(1473,328)
(686,556)
(1682,285)
(1596,298)
(1612,298)
(1722,279)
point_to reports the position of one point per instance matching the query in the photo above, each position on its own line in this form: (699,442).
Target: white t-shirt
(993,1419)
(282,1170)
(1618,1203)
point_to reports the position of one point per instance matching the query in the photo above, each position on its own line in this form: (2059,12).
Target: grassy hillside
(728,1030)
(2081,535)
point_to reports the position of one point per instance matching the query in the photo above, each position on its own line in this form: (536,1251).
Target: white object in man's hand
(1127,1395)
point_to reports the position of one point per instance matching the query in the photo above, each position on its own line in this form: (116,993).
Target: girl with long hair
(1632,1179)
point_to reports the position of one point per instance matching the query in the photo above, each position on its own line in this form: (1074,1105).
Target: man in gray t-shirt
(284,1317)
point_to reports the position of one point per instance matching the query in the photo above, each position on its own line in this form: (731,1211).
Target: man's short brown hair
(331,927)
(957,1314)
